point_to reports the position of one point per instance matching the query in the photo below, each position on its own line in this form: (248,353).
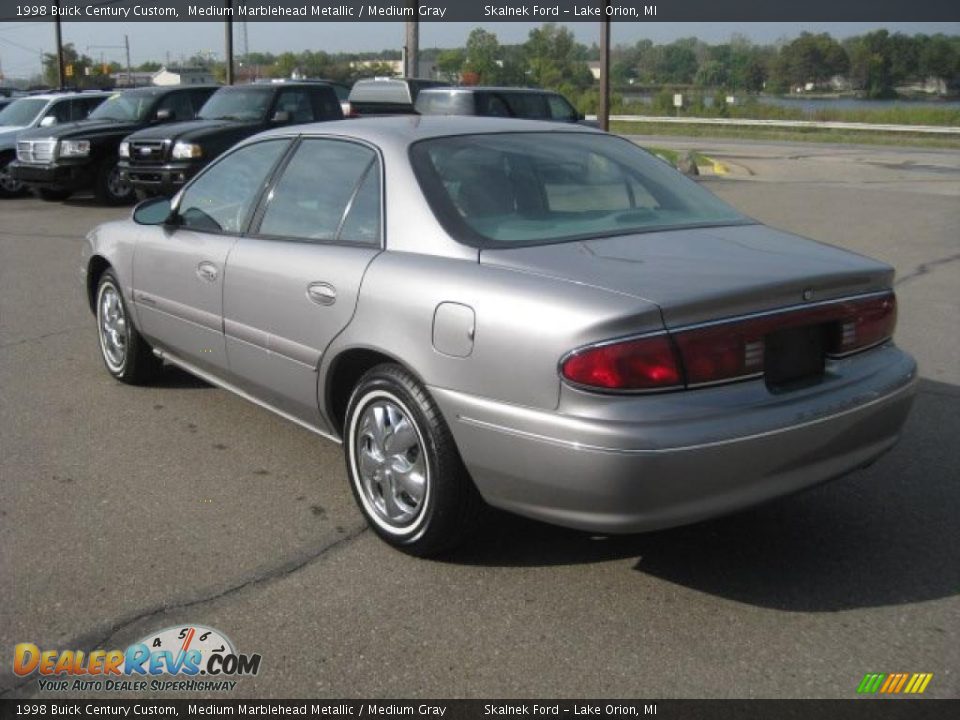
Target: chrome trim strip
(573,445)
(779,311)
(229,387)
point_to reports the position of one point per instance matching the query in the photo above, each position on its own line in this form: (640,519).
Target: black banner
(636,11)
(862,709)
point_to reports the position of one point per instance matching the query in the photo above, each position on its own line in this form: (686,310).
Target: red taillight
(726,351)
(865,323)
(643,364)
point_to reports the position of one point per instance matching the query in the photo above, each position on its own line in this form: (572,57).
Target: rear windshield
(534,188)
(246,103)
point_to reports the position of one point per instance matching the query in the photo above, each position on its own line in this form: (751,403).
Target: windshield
(237,104)
(532,188)
(22,112)
(129,107)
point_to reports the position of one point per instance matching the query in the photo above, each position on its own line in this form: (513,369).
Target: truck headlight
(185,151)
(74,148)
(124,149)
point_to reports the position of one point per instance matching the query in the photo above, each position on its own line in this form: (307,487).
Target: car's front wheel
(404,468)
(126,354)
(112,188)
(9,186)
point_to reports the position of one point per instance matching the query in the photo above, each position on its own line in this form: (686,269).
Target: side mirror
(153,211)
(164,114)
(280,117)
(48,121)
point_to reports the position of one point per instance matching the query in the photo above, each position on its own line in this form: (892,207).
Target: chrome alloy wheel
(390,463)
(112,323)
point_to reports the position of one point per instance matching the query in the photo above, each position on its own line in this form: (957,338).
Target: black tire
(53,194)
(9,188)
(137,364)
(450,508)
(109,188)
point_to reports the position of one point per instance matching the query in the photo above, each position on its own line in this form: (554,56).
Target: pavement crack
(926,268)
(38,338)
(99,638)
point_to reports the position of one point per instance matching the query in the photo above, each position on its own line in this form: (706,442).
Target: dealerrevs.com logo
(183,658)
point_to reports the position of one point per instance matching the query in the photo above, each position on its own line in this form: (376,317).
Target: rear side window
(326,106)
(531,106)
(492,105)
(561,110)
(296,103)
(329,191)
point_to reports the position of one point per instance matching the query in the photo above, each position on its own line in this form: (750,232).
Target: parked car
(544,318)
(160,159)
(341,89)
(37,111)
(58,161)
(527,103)
(387,96)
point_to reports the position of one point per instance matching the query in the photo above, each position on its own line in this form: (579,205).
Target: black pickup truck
(60,160)
(160,160)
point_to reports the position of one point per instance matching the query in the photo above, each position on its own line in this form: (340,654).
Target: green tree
(555,58)
(482,56)
(450,63)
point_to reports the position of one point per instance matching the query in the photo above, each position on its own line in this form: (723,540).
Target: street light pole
(228,41)
(603,112)
(412,44)
(59,34)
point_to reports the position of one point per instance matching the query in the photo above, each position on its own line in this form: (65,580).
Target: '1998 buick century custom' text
(546,319)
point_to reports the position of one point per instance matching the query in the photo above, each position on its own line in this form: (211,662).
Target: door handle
(207,271)
(322,293)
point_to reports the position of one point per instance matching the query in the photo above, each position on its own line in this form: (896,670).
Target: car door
(178,268)
(292,283)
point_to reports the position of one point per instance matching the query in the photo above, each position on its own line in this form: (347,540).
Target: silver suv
(38,111)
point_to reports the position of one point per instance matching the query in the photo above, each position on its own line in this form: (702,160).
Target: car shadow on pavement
(885,535)
(174,378)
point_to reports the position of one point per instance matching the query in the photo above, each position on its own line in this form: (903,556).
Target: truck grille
(36,151)
(146,152)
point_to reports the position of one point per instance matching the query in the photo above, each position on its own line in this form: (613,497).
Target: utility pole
(603,112)
(126,44)
(412,45)
(59,48)
(228,41)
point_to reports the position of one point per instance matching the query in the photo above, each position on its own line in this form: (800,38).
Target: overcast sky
(22,43)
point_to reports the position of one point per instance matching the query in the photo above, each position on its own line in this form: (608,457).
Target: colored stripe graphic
(894,683)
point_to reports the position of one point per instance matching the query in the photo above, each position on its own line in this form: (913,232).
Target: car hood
(194,129)
(8,135)
(8,129)
(82,128)
(696,275)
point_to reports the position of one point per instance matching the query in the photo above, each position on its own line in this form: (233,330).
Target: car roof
(399,131)
(489,88)
(64,94)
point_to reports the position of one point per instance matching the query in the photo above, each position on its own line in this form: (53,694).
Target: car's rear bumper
(627,464)
(53,176)
(164,179)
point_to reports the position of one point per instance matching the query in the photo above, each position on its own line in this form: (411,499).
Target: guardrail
(817,124)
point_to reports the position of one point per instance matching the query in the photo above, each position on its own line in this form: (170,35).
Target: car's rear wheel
(404,468)
(53,194)
(126,354)
(111,187)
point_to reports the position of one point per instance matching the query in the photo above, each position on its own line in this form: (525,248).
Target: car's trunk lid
(703,274)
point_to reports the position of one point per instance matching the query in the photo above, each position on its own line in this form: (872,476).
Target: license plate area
(794,356)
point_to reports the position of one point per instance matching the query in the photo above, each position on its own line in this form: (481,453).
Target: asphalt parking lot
(127,510)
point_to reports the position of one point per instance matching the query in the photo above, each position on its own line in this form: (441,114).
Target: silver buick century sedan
(546,319)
